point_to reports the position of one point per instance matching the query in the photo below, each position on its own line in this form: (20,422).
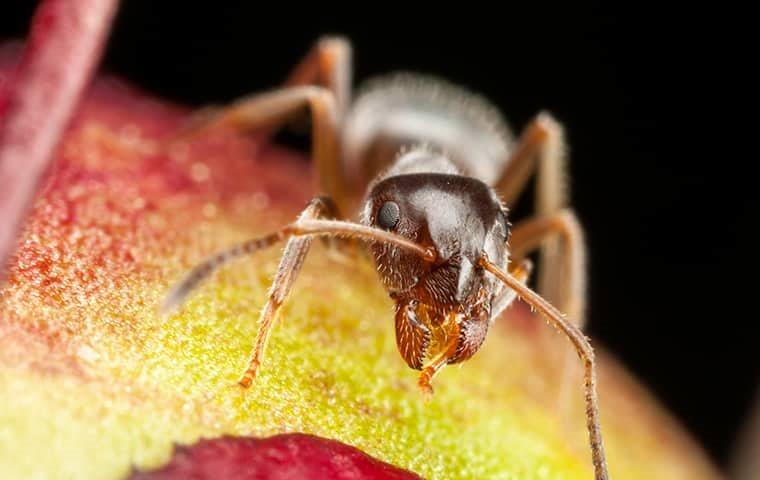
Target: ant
(432,157)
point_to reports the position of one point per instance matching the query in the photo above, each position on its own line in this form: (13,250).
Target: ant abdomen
(394,113)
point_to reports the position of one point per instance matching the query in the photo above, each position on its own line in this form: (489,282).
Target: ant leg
(287,271)
(328,64)
(570,265)
(571,276)
(273,108)
(322,82)
(541,150)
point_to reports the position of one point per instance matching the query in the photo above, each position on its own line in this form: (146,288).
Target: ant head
(460,217)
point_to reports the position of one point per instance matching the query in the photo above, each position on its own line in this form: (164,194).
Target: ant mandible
(434,157)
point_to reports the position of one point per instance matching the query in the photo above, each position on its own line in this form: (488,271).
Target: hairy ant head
(457,216)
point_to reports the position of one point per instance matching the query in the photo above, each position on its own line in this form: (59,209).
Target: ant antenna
(582,346)
(301,228)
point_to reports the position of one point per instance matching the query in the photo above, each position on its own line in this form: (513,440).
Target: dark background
(659,105)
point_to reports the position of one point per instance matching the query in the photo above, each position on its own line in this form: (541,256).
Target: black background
(659,104)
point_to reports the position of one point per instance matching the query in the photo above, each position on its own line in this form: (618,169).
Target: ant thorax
(397,110)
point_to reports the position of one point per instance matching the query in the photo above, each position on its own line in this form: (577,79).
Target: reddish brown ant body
(441,166)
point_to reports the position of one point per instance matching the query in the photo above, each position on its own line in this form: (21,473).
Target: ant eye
(388,215)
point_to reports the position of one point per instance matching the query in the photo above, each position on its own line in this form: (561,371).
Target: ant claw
(425,387)
(248,377)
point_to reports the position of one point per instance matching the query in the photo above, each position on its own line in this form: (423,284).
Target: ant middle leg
(321,82)
(570,269)
(272,109)
(287,271)
(570,263)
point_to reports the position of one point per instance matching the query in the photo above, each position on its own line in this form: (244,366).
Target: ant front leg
(287,271)
(542,150)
